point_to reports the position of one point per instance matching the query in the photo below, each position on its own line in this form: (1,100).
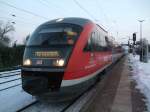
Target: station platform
(117,92)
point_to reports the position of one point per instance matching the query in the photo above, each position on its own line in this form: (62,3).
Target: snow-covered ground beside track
(141,74)
(13,99)
(9,84)
(10,72)
(3,79)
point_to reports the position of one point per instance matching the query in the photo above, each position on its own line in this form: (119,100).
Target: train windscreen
(51,44)
(56,34)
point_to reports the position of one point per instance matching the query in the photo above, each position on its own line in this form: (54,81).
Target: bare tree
(4,30)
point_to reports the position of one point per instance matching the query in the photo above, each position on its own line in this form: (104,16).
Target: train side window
(101,42)
(108,46)
(93,41)
(88,45)
(95,36)
(98,41)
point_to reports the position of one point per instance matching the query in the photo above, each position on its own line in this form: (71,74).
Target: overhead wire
(86,11)
(44,3)
(101,9)
(23,10)
(13,16)
(47,3)
(14,20)
(60,7)
(107,19)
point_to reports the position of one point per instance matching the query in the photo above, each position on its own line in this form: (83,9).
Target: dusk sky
(114,15)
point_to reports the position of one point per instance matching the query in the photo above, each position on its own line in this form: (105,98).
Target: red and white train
(63,57)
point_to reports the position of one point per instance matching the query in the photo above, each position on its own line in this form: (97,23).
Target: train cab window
(61,34)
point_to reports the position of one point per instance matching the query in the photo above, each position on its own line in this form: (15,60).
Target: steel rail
(10,75)
(10,87)
(9,81)
(5,73)
(27,106)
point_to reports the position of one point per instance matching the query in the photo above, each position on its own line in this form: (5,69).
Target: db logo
(39,62)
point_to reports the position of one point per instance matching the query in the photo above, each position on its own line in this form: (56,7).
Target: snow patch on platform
(141,74)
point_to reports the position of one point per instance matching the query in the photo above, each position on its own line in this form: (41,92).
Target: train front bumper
(51,85)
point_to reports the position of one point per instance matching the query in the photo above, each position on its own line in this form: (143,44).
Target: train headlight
(27,62)
(60,62)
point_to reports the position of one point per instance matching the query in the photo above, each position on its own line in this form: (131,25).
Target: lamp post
(141,21)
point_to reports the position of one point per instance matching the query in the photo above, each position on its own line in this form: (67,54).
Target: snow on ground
(47,107)
(4,79)
(141,74)
(13,99)
(9,84)
(10,72)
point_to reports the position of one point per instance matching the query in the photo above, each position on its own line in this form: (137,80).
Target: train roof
(71,20)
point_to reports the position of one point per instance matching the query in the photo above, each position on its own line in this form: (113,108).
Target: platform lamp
(141,56)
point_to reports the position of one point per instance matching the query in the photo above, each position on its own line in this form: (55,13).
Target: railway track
(9,87)
(62,107)
(27,106)
(6,78)
(10,72)
(76,99)
(37,104)
(10,75)
(9,81)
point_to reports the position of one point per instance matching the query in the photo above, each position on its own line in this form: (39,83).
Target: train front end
(46,57)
